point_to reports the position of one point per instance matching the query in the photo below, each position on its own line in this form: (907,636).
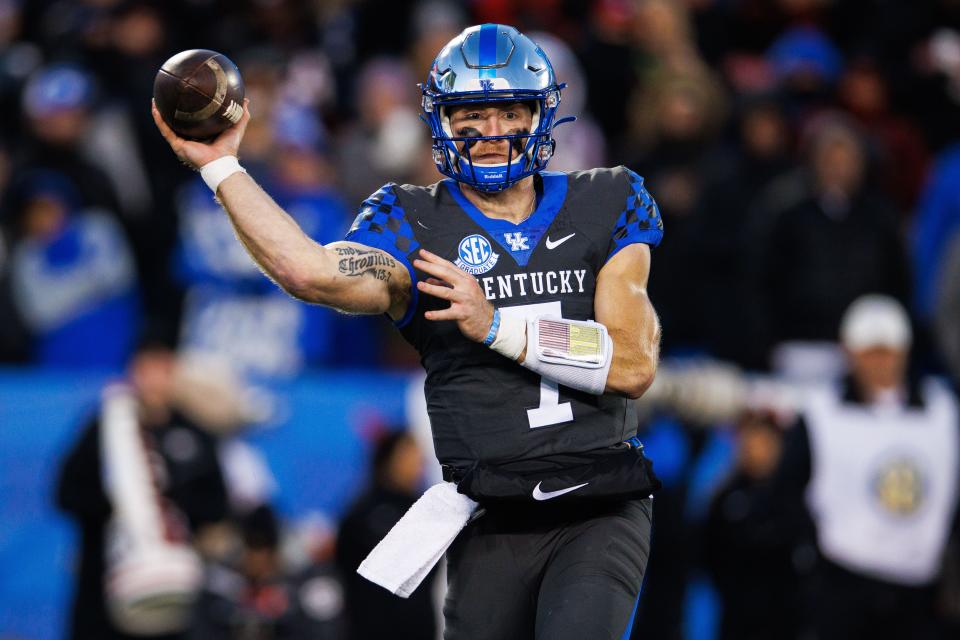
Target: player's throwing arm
(347,276)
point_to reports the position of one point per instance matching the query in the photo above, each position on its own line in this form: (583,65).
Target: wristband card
(570,341)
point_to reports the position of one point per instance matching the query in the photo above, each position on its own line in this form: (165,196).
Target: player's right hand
(196,154)
(469,308)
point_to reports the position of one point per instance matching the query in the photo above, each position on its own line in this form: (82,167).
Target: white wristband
(511,337)
(213,173)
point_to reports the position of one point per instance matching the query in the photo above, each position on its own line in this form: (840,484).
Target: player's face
(491,119)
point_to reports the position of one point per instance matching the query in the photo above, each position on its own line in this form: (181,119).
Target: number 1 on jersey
(551,411)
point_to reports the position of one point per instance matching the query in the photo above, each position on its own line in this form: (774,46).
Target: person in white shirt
(872,466)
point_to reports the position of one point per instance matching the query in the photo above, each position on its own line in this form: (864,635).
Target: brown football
(199,93)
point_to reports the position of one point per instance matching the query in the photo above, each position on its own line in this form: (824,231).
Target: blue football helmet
(491,63)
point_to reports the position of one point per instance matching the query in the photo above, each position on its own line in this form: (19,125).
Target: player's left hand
(468,306)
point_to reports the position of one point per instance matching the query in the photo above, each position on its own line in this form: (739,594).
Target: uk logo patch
(475,255)
(517,241)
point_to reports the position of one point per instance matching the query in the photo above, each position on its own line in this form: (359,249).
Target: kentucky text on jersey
(540,282)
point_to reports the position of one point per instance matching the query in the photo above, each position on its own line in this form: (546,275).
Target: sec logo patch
(475,255)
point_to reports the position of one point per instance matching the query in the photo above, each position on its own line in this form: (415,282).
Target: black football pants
(548,572)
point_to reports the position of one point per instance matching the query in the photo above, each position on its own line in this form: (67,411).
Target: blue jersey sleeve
(381,223)
(640,219)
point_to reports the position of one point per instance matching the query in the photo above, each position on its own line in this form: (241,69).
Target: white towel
(405,556)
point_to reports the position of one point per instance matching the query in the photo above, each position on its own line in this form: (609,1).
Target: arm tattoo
(360,262)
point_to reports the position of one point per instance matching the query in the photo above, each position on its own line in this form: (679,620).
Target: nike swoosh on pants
(547,495)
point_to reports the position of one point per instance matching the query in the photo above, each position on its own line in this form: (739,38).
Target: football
(199,93)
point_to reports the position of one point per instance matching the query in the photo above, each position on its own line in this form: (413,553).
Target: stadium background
(727,107)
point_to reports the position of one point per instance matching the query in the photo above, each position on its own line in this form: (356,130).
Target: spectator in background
(73,277)
(132,46)
(396,475)
(317,579)
(874,462)
(187,479)
(902,157)
(674,114)
(308,82)
(259,599)
(734,176)
(807,65)
(385,139)
(678,103)
(303,174)
(936,223)
(676,120)
(133,41)
(664,33)
(751,558)
(435,23)
(825,236)
(579,147)
(607,44)
(58,104)
(213,395)
(77,129)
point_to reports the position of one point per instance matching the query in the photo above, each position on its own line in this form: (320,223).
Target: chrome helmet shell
(491,63)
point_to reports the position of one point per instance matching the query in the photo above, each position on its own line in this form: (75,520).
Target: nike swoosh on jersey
(554,245)
(547,495)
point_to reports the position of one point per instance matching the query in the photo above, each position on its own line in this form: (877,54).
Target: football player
(525,293)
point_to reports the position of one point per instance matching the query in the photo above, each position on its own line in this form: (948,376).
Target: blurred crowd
(803,153)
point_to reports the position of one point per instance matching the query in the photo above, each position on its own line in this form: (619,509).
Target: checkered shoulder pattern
(381,223)
(640,219)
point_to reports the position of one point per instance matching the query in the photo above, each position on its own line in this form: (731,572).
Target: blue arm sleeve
(639,221)
(382,224)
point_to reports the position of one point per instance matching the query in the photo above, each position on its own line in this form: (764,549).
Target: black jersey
(484,407)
